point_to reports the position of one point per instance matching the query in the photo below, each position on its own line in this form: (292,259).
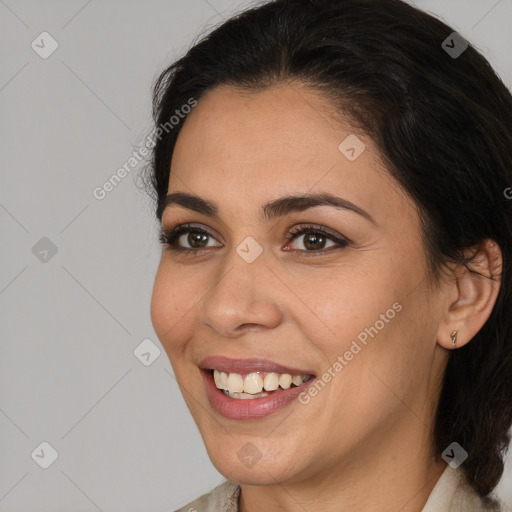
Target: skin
(364,442)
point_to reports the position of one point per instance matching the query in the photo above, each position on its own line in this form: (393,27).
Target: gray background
(70,324)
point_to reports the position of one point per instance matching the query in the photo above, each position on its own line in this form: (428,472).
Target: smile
(256,384)
(246,389)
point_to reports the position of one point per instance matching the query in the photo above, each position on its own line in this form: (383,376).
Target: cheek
(171,304)
(385,338)
(372,318)
(159,304)
(355,300)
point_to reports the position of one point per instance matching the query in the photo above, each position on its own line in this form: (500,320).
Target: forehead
(272,127)
(273,120)
(270,142)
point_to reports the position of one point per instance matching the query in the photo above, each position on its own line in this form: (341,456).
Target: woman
(334,291)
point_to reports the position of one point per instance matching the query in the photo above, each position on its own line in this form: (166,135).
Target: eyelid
(316,228)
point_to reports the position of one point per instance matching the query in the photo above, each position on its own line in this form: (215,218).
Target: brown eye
(196,239)
(316,239)
(186,238)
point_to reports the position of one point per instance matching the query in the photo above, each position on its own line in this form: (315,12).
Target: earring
(454,338)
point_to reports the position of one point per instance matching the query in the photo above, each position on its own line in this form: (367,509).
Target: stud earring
(454,338)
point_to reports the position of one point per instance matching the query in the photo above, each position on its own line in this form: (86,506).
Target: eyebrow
(271,210)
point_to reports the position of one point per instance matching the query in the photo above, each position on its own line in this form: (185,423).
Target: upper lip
(245,366)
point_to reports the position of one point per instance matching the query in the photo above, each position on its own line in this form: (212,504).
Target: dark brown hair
(443,126)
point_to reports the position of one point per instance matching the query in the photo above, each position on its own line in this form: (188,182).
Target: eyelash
(170,238)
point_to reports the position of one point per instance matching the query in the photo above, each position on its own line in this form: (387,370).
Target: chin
(246,462)
(262,473)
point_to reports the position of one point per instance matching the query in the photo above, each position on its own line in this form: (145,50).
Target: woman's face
(349,307)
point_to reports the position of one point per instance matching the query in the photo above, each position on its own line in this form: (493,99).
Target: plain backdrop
(76,272)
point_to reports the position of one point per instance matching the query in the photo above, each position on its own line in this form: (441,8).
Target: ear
(471,295)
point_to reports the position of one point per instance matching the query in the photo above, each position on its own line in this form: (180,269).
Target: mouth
(249,388)
(256,384)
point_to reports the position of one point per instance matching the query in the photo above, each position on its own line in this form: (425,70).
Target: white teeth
(297,380)
(216,378)
(285,380)
(254,383)
(244,396)
(271,381)
(235,383)
(221,379)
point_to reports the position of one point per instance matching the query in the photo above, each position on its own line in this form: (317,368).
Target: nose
(245,296)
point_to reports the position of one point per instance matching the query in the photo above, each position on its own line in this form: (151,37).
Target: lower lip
(250,408)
